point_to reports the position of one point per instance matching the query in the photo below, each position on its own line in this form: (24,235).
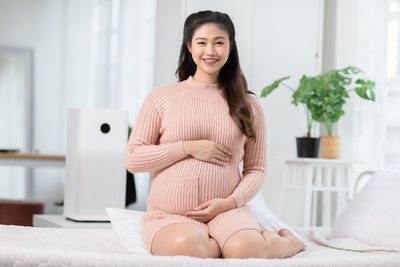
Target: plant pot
(307,147)
(330,147)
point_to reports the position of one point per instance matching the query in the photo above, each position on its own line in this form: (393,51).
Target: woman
(193,135)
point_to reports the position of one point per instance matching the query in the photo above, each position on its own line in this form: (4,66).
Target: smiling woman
(193,135)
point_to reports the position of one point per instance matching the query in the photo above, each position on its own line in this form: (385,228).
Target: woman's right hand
(207,150)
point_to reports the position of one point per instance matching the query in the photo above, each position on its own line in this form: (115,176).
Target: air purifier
(95,163)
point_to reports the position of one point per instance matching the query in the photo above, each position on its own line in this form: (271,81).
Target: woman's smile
(210,61)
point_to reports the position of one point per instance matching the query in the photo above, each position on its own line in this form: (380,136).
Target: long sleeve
(254,160)
(143,154)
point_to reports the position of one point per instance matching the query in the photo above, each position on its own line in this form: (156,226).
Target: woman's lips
(210,61)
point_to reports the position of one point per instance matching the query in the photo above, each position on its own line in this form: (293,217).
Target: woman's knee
(245,245)
(185,240)
(191,244)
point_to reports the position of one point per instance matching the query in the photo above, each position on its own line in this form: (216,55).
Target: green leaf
(365,89)
(269,88)
(351,70)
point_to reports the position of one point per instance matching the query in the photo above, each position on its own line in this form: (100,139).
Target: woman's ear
(189,47)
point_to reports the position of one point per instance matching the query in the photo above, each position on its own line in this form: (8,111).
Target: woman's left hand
(208,210)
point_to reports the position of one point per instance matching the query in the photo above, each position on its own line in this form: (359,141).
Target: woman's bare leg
(186,239)
(249,243)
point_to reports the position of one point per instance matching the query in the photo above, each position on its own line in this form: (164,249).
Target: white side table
(59,221)
(313,175)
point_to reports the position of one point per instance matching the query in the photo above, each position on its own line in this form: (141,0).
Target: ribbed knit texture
(190,110)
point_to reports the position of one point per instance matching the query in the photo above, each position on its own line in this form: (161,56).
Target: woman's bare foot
(296,243)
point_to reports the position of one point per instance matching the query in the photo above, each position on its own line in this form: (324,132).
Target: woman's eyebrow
(203,38)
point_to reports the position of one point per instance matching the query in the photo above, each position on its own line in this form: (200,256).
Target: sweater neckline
(198,88)
(203,85)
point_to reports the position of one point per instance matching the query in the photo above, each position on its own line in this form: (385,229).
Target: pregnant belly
(218,186)
(189,183)
(174,195)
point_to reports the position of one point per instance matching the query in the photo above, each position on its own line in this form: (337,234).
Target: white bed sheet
(28,246)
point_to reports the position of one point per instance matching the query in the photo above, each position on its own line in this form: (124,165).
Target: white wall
(39,25)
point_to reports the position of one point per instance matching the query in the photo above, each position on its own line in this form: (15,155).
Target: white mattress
(28,246)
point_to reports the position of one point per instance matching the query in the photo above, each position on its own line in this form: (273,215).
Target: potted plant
(324,95)
(328,95)
(307,146)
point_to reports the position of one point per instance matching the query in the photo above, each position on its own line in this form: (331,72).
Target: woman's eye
(201,43)
(220,43)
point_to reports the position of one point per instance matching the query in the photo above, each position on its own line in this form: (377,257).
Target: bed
(366,234)
(28,246)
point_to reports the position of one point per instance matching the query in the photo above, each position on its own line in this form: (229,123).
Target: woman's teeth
(210,61)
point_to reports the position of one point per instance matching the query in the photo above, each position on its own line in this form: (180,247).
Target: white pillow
(128,226)
(373,216)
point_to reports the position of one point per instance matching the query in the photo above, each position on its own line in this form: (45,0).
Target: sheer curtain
(109,53)
(360,42)
(90,59)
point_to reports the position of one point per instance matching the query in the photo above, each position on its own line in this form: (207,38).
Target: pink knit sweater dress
(190,110)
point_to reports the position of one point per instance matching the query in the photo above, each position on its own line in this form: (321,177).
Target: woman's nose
(210,49)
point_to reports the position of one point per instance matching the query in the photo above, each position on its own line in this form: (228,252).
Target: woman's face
(210,49)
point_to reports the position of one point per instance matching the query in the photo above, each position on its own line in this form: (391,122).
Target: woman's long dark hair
(230,79)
